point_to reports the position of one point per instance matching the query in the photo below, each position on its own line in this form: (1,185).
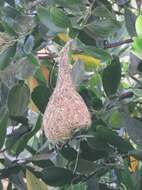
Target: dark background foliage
(106,59)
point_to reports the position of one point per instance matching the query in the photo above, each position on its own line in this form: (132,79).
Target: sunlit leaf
(138,26)
(88,60)
(34,183)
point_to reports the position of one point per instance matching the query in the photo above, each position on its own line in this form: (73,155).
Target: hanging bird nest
(66,110)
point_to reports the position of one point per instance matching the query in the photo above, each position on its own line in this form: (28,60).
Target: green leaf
(115,119)
(29,44)
(40,76)
(18,100)
(59,18)
(90,98)
(102,11)
(137,47)
(20,145)
(68,152)
(45,18)
(40,97)
(15,136)
(55,176)
(103,28)
(90,154)
(138,26)
(85,167)
(32,59)
(3,125)
(107,136)
(10,11)
(125,177)
(6,57)
(130,19)
(111,77)
(98,53)
(24,24)
(7,172)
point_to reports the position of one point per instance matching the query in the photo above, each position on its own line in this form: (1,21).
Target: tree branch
(116,44)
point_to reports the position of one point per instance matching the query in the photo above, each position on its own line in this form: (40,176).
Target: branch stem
(116,44)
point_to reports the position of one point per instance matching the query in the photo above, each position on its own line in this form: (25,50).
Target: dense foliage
(106,68)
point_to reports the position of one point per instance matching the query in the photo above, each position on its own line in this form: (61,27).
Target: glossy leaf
(45,18)
(97,54)
(59,18)
(18,100)
(107,136)
(111,77)
(40,97)
(6,57)
(85,167)
(103,28)
(90,154)
(137,47)
(68,152)
(139,26)
(55,176)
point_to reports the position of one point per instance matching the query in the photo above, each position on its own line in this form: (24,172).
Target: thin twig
(88,14)
(116,44)
(136,80)
(77,158)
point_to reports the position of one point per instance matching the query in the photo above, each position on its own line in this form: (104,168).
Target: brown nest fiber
(66,110)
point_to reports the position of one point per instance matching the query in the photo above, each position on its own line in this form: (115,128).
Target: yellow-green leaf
(88,60)
(64,37)
(139,26)
(33,183)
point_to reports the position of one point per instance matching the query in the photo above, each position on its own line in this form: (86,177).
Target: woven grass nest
(66,110)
